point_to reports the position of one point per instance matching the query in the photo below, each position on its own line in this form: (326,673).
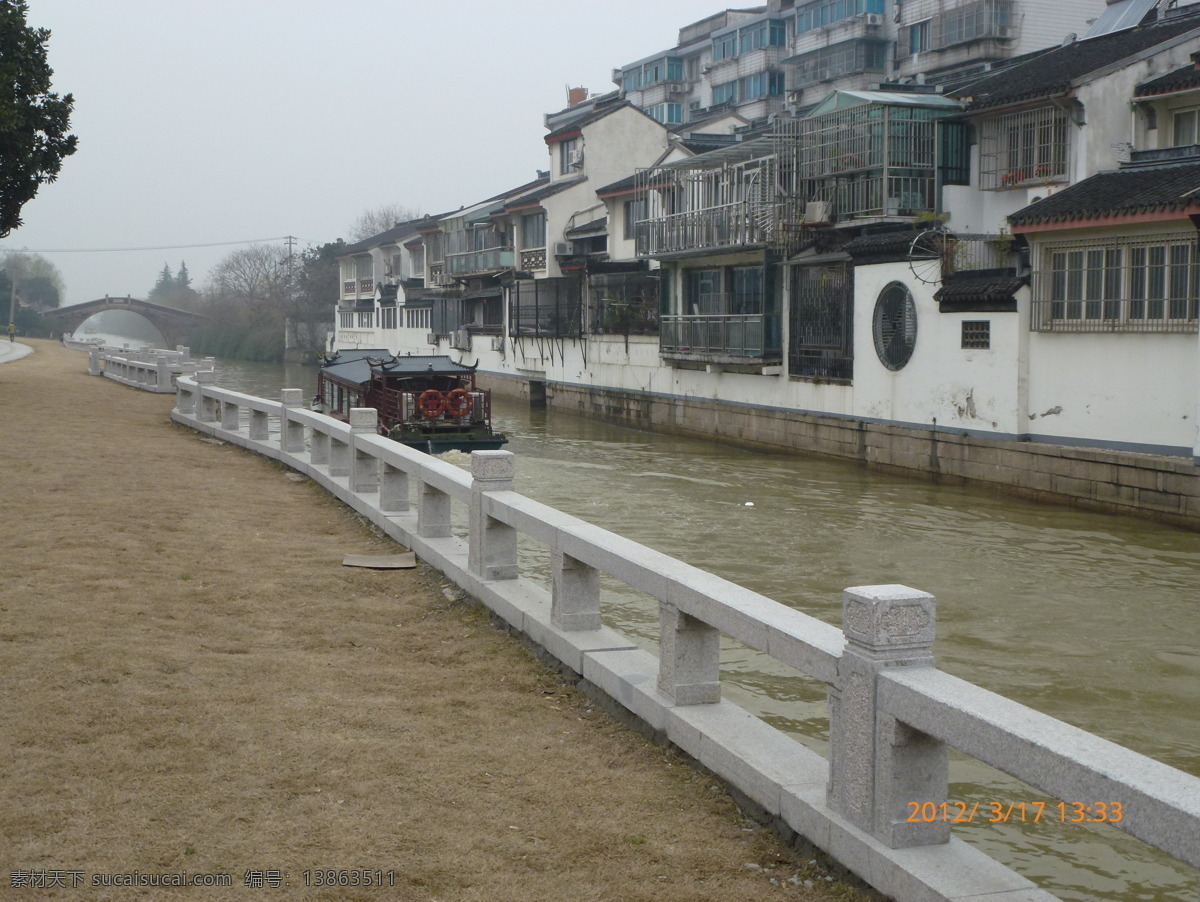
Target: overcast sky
(208,121)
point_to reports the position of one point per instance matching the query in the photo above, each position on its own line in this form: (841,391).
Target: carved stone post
(229,416)
(492,553)
(291,433)
(207,407)
(689,663)
(364,467)
(260,429)
(94,362)
(393,490)
(339,456)
(877,765)
(185,399)
(433,513)
(575,594)
(163,374)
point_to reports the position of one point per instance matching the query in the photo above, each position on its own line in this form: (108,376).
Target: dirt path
(192,683)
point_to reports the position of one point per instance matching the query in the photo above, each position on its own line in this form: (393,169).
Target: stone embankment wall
(1162,488)
(893,715)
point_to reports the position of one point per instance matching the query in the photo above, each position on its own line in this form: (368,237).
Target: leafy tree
(380,219)
(310,312)
(39,283)
(33,119)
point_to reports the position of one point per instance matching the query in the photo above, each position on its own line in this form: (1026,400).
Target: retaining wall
(893,714)
(1162,488)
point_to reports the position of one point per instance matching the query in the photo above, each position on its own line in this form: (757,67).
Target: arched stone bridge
(175,325)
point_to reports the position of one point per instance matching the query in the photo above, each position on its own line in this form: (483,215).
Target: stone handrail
(893,715)
(150,369)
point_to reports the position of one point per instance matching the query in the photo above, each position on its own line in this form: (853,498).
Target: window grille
(1024,148)
(546,308)
(820,333)
(1117,285)
(977,333)
(366,319)
(387,318)
(417,318)
(623,303)
(894,326)
(972,22)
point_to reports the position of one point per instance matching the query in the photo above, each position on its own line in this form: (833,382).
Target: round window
(895,326)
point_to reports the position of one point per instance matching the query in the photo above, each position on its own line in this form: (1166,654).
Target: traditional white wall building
(918,277)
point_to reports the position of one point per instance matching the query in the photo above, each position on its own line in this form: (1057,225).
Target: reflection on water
(1090,618)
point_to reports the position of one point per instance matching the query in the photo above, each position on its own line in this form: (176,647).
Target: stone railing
(150,369)
(893,714)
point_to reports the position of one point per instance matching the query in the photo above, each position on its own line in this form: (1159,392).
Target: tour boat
(427,402)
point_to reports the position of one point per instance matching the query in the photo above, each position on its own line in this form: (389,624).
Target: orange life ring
(458,403)
(431,403)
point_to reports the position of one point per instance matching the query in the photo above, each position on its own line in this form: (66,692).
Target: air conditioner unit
(1006,31)
(497,343)
(461,340)
(816,212)
(431,338)
(575,159)
(562,249)
(674,89)
(872,18)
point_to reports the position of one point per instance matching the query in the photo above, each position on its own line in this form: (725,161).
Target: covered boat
(427,402)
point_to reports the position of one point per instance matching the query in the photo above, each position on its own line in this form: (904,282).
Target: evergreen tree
(183,281)
(164,287)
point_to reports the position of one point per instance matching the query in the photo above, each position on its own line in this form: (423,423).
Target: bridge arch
(175,325)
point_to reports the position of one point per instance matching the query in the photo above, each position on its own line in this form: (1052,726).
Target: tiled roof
(622,186)
(536,197)
(987,291)
(881,247)
(1124,191)
(396,232)
(1052,73)
(1181,79)
(602,110)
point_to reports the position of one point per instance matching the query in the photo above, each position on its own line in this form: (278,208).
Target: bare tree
(380,219)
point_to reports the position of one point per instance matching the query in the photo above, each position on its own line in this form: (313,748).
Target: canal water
(1091,618)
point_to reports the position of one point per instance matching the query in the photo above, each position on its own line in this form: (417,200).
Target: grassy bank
(194,684)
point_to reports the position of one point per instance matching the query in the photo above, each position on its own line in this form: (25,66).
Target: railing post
(319,452)
(206,407)
(433,513)
(393,490)
(163,374)
(493,545)
(94,362)
(229,416)
(259,427)
(364,467)
(339,456)
(185,399)
(878,765)
(291,433)
(575,594)
(689,662)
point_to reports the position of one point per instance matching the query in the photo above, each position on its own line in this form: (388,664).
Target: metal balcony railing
(728,225)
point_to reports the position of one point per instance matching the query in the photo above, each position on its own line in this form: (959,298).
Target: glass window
(1184,129)
(566,155)
(533,229)
(631,79)
(725,46)
(724,92)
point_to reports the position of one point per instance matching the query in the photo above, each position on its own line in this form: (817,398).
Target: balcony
(723,338)
(725,226)
(474,263)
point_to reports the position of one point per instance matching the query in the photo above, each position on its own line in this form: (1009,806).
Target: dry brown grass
(192,682)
